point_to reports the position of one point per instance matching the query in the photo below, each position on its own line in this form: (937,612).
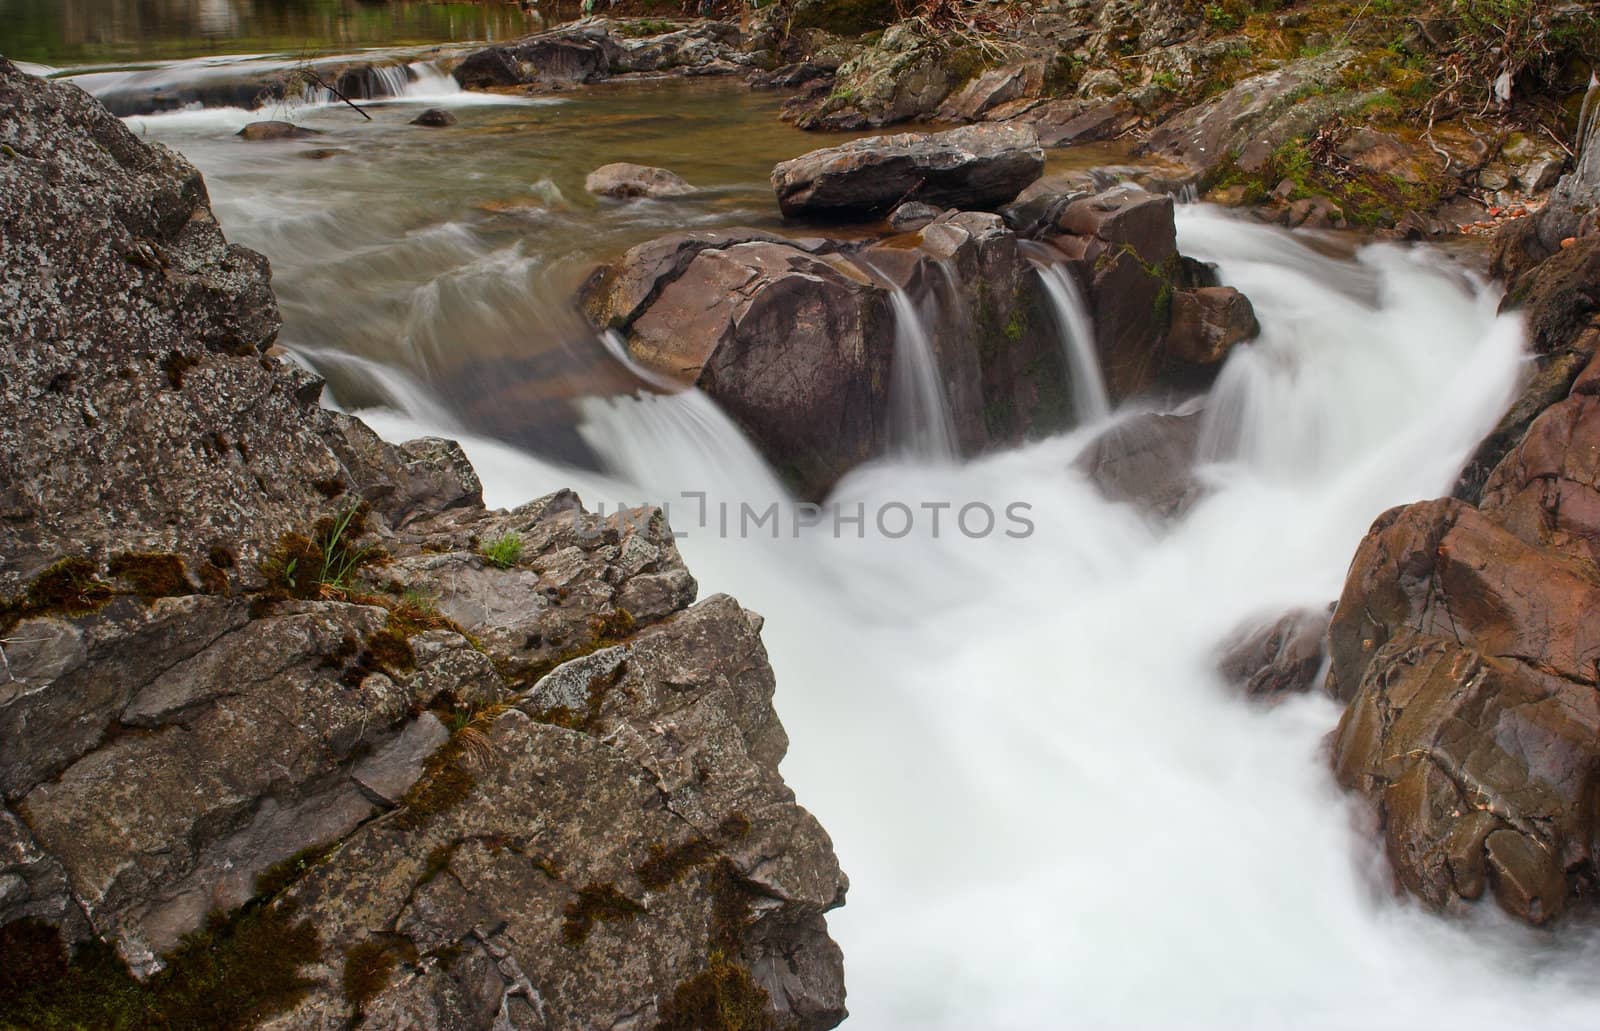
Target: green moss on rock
(234,973)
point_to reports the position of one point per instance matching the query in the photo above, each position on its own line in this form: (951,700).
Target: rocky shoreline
(298,734)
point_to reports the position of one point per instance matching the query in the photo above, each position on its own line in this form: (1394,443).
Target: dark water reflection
(68,32)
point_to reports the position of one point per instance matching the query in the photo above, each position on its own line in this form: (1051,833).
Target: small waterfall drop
(920,423)
(1089,398)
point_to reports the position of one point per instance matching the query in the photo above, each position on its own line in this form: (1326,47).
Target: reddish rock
(1208,322)
(1279,657)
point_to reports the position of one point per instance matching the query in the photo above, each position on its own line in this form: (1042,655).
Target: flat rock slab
(976,166)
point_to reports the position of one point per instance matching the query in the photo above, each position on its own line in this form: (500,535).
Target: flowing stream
(1053,812)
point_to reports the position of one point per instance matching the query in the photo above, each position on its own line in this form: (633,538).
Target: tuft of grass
(503,552)
(324,565)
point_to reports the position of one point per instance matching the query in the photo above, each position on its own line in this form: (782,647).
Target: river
(1053,812)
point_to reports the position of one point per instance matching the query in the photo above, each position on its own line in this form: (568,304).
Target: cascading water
(920,421)
(1089,398)
(1053,812)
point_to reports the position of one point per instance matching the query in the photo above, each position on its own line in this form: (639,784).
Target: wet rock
(1461,645)
(1147,460)
(260,132)
(1278,657)
(1124,242)
(979,166)
(1208,322)
(1065,123)
(795,347)
(620,294)
(435,117)
(912,216)
(790,76)
(626,180)
(562,58)
(796,341)
(1313,213)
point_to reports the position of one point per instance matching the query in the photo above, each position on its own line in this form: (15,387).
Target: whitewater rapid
(1053,812)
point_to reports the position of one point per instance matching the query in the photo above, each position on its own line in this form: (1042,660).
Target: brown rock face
(977,166)
(1465,645)
(795,339)
(1207,322)
(1125,244)
(260,132)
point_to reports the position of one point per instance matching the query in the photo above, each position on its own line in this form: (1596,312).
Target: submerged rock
(435,117)
(1124,244)
(1148,460)
(257,132)
(469,768)
(626,180)
(980,166)
(1277,657)
(795,338)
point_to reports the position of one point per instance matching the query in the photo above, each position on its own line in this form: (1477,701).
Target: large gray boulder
(976,166)
(135,385)
(1246,123)
(551,60)
(434,788)
(624,180)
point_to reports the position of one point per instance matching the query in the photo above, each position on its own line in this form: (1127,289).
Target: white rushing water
(1076,328)
(1053,813)
(920,423)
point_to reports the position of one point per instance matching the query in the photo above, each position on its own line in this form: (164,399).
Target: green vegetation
(323,566)
(232,974)
(503,552)
(723,996)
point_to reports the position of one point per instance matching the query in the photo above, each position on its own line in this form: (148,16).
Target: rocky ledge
(1463,645)
(296,733)
(796,337)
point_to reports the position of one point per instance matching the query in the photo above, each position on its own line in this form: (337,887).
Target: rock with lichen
(294,731)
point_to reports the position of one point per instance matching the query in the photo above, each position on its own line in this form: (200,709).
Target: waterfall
(1076,329)
(920,422)
(1053,812)
(1022,745)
